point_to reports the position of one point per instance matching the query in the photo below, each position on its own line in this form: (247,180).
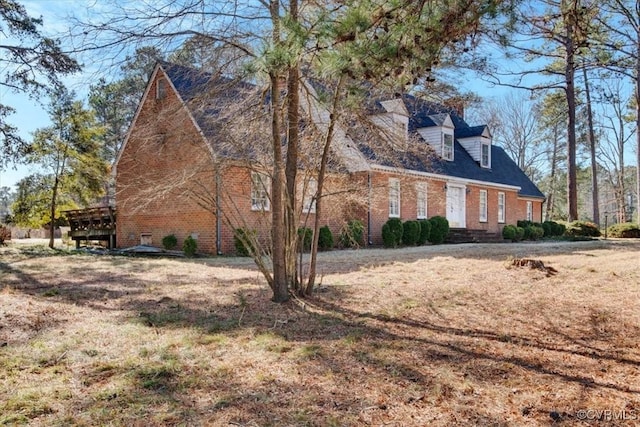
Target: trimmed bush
(410,232)
(392,233)
(325,238)
(513,233)
(524,223)
(240,236)
(190,246)
(439,229)
(169,242)
(425,231)
(532,230)
(535,232)
(559,229)
(388,238)
(305,236)
(627,230)
(352,234)
(583,229)
(509,232)
(552,229)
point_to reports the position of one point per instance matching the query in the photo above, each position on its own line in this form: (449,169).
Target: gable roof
(424,114)
(471,131)
(204,95)
(188,82)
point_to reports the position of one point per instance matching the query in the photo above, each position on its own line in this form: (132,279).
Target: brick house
(170,178)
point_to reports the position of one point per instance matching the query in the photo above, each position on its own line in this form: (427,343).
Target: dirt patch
(447,335)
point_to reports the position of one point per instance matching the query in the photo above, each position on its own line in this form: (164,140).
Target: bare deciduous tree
(373,42)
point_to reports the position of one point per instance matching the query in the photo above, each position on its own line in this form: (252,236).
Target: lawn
(429,336)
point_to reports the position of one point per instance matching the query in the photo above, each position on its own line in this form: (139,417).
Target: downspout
(218,213)
(369,209)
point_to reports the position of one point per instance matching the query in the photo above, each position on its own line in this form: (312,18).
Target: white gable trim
(395,106)
(446,123)
(531,198)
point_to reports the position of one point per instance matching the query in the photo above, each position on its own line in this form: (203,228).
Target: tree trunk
(279,286)
(52,226)
(638,127)
(591,141)
(291,171)
(321,175)
(552,177)
(622,202)
(572,179)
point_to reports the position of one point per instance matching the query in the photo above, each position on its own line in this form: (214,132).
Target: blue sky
(30,114)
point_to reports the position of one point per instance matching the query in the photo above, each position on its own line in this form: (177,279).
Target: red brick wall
(436,203)
(164,155)
(166,184)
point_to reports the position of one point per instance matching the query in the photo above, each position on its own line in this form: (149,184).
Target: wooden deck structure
(93,224)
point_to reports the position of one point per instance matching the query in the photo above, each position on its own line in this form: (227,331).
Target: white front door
(456,206)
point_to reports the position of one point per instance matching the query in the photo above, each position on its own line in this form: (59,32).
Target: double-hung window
(529,211)
(421,200)
(447,147)
(484,156)
(501,207)
(394,198)
(260,189)
(483,206)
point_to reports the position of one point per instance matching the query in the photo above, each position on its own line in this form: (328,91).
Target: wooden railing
(92,224)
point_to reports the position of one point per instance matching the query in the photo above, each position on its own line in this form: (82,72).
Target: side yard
(438,336)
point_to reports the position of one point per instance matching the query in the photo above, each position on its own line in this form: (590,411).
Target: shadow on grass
(345,261)
(421,363)
(449,344)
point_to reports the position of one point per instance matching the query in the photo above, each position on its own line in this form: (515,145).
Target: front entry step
(465,235)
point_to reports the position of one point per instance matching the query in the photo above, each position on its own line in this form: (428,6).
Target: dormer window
(485,159)
(161,88)
(447,147)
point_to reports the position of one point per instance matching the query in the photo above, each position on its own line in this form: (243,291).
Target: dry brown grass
(438,336)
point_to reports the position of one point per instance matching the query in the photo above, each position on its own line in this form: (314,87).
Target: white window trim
(488,163)
(529,210)
(394,196)
(502,208)
(444,145)
(260,200)
(483,206)
(309,200)
(421,200)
